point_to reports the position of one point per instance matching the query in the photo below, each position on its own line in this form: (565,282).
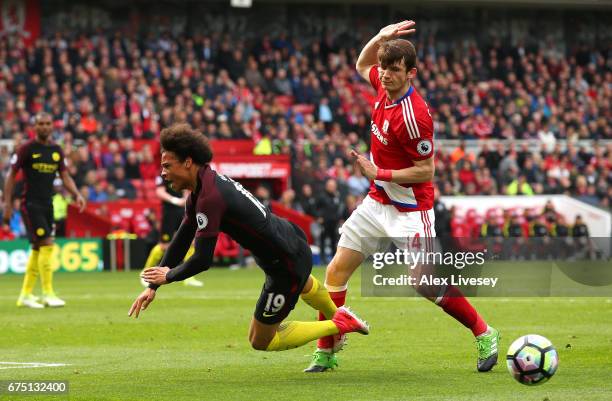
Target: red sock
(455,304)
(338,298)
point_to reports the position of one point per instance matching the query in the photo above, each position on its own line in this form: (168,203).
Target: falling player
(400,202)
(216,204)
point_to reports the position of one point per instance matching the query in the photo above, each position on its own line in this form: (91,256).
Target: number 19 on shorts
(274,302)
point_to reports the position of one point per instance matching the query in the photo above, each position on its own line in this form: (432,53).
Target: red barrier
(87,224)
(302,220)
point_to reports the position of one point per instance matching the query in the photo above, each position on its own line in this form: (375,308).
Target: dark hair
(42,114)
(392,51)
(184,142)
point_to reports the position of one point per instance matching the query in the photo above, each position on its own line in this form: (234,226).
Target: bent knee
(258,344)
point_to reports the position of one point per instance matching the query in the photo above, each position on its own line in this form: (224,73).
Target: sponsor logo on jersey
(377,134)
(36,155)
(424,147)
(45,167)
(202,221)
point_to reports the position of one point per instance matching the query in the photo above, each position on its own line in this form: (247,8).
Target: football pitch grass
(191,344)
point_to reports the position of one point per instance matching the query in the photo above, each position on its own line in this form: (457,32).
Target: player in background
(400,202)
(173,205)
(41,160)
(216,204)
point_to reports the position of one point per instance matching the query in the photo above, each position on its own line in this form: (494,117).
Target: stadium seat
(303,108)
(284,101)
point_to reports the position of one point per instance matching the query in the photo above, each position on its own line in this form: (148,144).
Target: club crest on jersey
(386,126)
(202,221)
(424,147)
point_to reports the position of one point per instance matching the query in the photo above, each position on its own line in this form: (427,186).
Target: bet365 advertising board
(69,255)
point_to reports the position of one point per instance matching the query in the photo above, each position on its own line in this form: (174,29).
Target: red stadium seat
(284,101)
(304,108)
(149,184)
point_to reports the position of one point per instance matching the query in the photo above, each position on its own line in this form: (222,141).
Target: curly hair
(184,142)
(394,50)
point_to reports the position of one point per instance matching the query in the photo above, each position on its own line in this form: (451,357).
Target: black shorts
(38,219)
(285,280)
(171,220)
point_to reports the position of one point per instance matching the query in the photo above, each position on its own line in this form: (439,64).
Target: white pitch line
(29,365)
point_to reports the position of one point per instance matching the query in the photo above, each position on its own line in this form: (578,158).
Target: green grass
(192,345)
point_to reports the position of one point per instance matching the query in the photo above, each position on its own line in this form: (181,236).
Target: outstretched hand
(394,31)
(142,302)
(155,275)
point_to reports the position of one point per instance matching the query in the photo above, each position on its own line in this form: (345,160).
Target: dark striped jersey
(222,204)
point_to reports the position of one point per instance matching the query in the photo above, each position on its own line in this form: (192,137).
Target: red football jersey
(402,132)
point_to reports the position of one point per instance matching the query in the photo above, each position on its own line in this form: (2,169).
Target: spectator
(330,211)
(61,200)
(16,224)
(132,166)
(123,187)
(358,185)
(263,195)
(287,199)
(307,202)
(519,186)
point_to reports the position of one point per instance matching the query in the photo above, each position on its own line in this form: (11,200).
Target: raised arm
(422,171)
(367,58)
(162,194)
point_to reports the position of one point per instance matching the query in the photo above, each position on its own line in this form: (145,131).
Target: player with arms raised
(216,204)
(400,202)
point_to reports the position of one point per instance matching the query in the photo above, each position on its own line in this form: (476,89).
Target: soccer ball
(532,359)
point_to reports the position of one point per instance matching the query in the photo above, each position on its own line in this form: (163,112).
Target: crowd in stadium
(305,99)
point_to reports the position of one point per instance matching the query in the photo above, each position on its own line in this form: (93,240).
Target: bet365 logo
(68,255)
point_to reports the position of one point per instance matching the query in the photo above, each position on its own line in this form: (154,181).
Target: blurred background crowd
(515,111)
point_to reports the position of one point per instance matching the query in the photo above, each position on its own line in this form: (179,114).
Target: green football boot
(487,344)
(322,361)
